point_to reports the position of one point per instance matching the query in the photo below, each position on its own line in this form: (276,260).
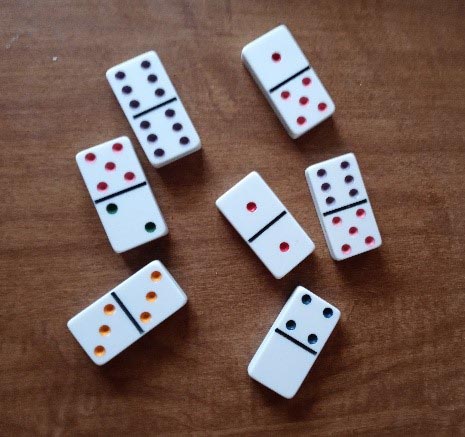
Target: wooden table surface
(395,363)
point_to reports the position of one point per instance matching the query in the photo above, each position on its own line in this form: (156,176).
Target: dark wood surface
(395,363)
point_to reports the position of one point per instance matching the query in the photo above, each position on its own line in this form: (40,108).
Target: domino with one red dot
(121,194)
(265,224)
(287,80)
(343,207)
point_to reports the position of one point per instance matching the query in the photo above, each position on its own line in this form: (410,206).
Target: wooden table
(394,365)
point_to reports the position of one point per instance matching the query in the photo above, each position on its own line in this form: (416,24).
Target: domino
(265,224)
(343,207)
(154,109)
(121,194)
(294,342)
(289,83)
(126,313)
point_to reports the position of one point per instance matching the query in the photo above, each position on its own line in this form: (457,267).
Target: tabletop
(395,362)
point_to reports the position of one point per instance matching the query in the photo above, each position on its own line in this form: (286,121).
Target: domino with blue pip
(265,224)
(294,342)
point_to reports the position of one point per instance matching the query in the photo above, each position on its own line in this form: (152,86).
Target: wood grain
(395,364)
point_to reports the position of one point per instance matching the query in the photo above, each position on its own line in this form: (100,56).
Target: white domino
(126,313)
(343,206)
(154,109)
(265,224)
(121,194)
(294,342)
(287,80)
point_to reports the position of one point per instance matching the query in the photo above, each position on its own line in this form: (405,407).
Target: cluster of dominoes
(131,216)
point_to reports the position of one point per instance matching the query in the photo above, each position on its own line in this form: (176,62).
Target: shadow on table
(159,249)
(367,270)
(188,172)
(322,138)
